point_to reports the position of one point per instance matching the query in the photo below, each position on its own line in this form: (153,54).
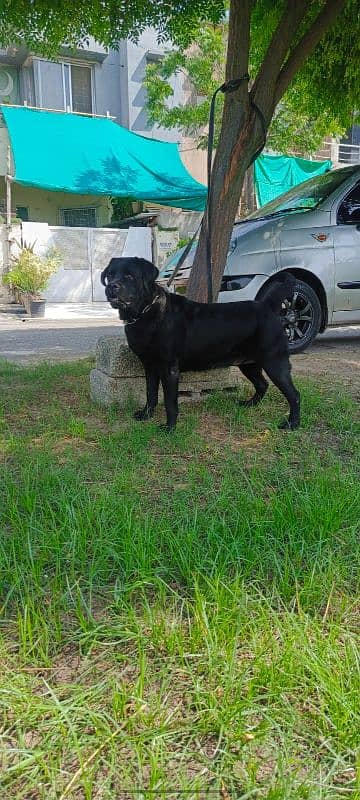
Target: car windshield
(306,195)
(173,259)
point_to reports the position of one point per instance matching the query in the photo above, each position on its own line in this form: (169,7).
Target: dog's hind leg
(152,392)
(279,373)
(254,374)
(170,383)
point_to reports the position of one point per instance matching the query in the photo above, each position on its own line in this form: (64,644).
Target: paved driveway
(33,341)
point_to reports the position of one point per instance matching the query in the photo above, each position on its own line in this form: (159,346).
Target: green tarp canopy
(274,175)
(65,152)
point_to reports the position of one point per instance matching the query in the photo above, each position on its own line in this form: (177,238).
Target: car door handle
(349,285)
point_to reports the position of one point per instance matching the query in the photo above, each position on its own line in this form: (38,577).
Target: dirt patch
(75,442)
(64,444)
(214,429)
(333,359)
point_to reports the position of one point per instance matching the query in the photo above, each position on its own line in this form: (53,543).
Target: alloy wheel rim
(299,317)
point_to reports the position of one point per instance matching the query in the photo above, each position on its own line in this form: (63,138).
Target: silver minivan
(313,232)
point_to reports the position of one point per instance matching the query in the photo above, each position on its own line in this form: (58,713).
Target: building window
(62,86)
(77,85)
(78,217)
(153,57)
(22,212)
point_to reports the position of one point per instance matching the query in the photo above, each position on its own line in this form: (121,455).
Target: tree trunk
(231,158)
(241,135)
(227,181)
(244,118)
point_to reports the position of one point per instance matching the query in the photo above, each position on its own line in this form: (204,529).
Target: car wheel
(301,314)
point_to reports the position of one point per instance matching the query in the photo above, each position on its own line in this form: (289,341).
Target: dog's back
(218,334)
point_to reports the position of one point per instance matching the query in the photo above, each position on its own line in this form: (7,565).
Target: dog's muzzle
(111,292)
(112,296)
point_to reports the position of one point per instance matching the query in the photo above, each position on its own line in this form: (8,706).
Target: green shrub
(31,272)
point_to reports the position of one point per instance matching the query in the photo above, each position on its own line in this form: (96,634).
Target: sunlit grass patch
(178,613)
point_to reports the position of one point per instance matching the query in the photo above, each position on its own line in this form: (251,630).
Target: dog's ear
(104,274)
(149,271)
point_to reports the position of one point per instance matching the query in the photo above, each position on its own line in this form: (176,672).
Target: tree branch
(307,44)
(238,38)
(237,64)
(265,81)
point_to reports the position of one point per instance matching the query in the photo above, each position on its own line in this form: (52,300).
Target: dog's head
(129,284)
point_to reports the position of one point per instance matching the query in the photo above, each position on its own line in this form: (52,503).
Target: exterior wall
(135,61)
(39,82)
(194,160)
(4,294)
(45,206)
(117,80)
(185,222)
(123,88)
(107,93)
(4,141)
(15,236)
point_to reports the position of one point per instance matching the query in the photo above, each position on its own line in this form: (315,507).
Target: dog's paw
(286,425)
(246,403)
(142,414)
(167,428)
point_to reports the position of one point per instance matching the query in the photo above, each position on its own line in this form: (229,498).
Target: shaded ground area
(337,352)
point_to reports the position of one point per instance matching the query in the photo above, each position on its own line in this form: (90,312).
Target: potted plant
(30,275)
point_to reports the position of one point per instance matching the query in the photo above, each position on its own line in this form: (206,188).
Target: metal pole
(8,206)
(8,186)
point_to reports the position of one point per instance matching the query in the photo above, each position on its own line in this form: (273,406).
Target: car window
(172,261)
(306,195)
(349,209)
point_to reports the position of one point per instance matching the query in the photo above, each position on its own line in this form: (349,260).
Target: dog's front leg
(170,383)
(152,393)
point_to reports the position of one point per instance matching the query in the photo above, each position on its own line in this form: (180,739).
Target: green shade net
(274,175)
(66,152)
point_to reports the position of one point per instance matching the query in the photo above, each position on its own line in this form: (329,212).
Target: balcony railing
(55,111)
(338,152)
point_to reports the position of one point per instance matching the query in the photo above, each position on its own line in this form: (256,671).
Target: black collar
(136,319)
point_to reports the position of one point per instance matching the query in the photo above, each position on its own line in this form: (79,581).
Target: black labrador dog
(171,334)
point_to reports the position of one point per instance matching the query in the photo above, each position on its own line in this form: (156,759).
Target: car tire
(302,315)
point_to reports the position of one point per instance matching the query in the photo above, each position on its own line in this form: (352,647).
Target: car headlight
(232,246)
(234,282)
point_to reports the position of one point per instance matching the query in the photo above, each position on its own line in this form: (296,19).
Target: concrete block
(106,390)
(114,357)
(119,376)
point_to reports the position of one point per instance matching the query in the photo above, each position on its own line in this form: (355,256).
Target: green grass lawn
(179,615)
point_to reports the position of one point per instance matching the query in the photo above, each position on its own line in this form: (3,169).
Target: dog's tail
(278,290)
